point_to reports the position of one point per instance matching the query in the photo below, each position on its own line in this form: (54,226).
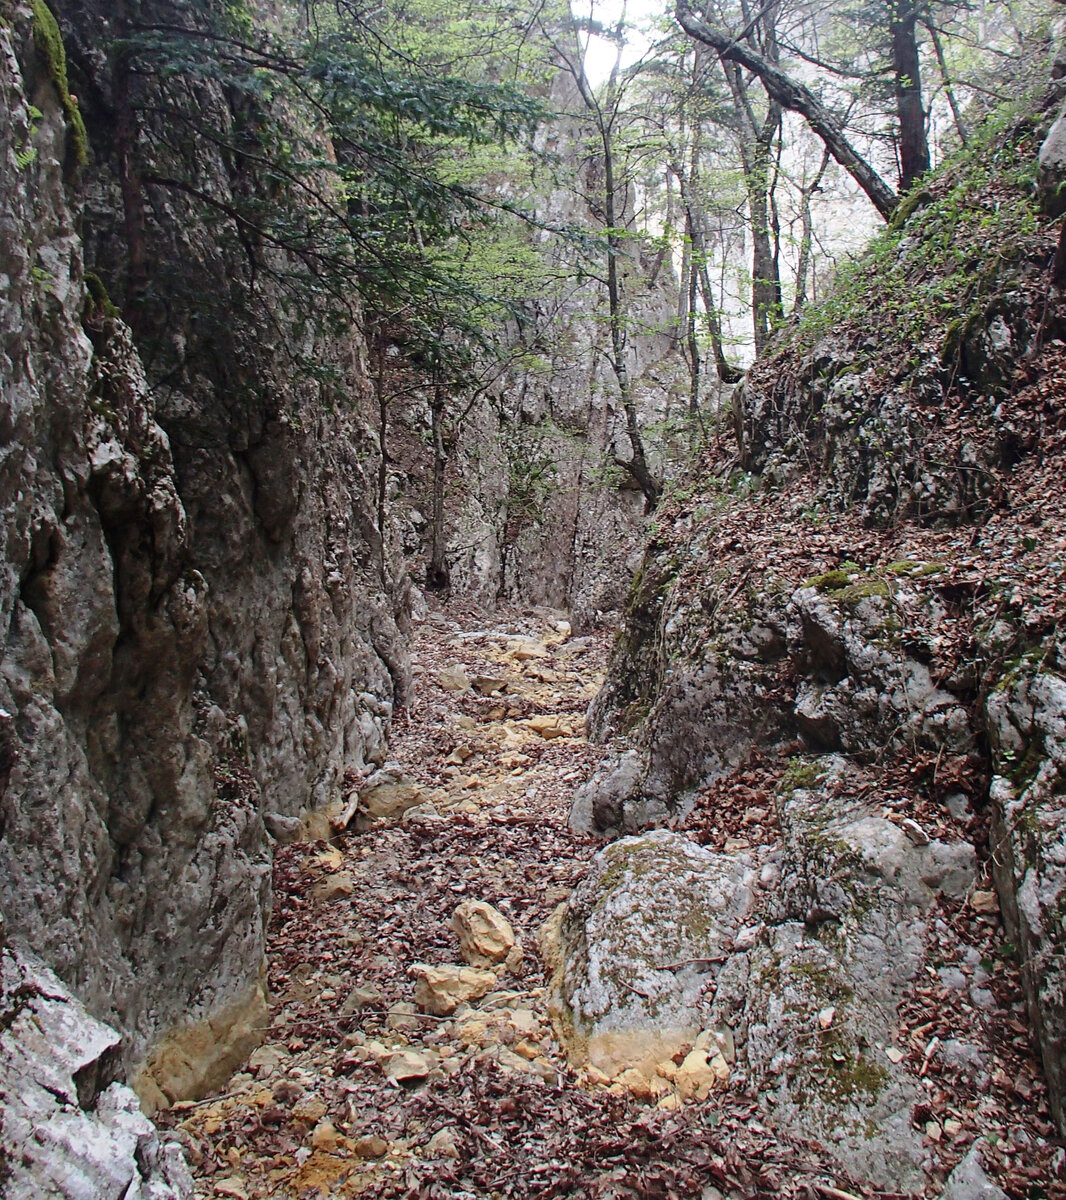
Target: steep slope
(200,638)
(875,573)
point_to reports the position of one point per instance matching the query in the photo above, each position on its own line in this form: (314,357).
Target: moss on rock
(49,42)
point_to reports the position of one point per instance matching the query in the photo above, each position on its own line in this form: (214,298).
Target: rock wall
(878,571)
(198,628)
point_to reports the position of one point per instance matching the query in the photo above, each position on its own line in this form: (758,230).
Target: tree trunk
(437,578)
(913,143)
(637,464)
(698,257)
(796,98)
(131,186)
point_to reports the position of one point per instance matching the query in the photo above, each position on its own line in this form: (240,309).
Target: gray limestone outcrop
(823,662)
(66,1131)
(197,628)
(1027,723)
(786,966)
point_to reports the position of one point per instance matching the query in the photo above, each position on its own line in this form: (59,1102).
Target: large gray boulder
(676,970)
(67,1133)
(1051,169)
(643,934)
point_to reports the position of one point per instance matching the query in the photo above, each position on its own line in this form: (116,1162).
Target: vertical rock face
(197,627)
(67,1132)
(1027,722)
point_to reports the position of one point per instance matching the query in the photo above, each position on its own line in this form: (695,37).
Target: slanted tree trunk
(782,88)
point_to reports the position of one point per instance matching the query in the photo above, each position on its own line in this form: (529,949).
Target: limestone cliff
(200,618)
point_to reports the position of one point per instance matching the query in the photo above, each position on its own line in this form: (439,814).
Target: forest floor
(356,1091)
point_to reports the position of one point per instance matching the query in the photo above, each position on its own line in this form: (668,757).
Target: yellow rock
(642,1087)
(696,1077)
(667,1069)
(550,726)
(480,1029)
(334,887)
(407,1066)
(325,1137)
(196,1059)
(485,935)
(527,1049)
(440,990)
(232,1185)
(390,799)
(595,1077)
(310,1109)
(549,938)
(524,651)
(370,1146)
(330,858)
(670,1102)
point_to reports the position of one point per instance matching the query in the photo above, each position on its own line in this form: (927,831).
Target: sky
(600,54)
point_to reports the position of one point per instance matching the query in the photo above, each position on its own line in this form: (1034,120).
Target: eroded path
(358,1091)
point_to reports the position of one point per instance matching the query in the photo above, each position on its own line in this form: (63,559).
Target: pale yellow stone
(643,1087)
(390,799)
(232,1186)
(667,1069)
(720,1068)
(370,1146)
(325,1137)
(407,1066)
(527,1049)
(440,990)
(485,935)
(670,1102)
(196,1059)
(644,1049)
(334,887)
(523,1021)
(310,1109)
(549,939)
(453,679)
(595,1077)
(695,1077)
(550,726)
(525,651)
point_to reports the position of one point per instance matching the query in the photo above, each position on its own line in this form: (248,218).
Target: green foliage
(354,144)
(49,42)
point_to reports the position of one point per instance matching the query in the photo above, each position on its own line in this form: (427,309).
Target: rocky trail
(411,1050)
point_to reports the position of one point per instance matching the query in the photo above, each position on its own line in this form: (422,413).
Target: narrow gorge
(534,653)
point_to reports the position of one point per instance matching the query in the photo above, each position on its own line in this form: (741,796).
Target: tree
(610,183)
(790,94)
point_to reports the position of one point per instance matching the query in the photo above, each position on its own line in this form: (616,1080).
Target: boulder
(1027,725)
(440,990)
(64,1133)
(1051,169)
(641,938)
(485,935)
(389,792)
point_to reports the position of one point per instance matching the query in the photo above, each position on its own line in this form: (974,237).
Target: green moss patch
(49,42)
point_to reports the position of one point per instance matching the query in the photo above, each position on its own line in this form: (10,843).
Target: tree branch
(796,98)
